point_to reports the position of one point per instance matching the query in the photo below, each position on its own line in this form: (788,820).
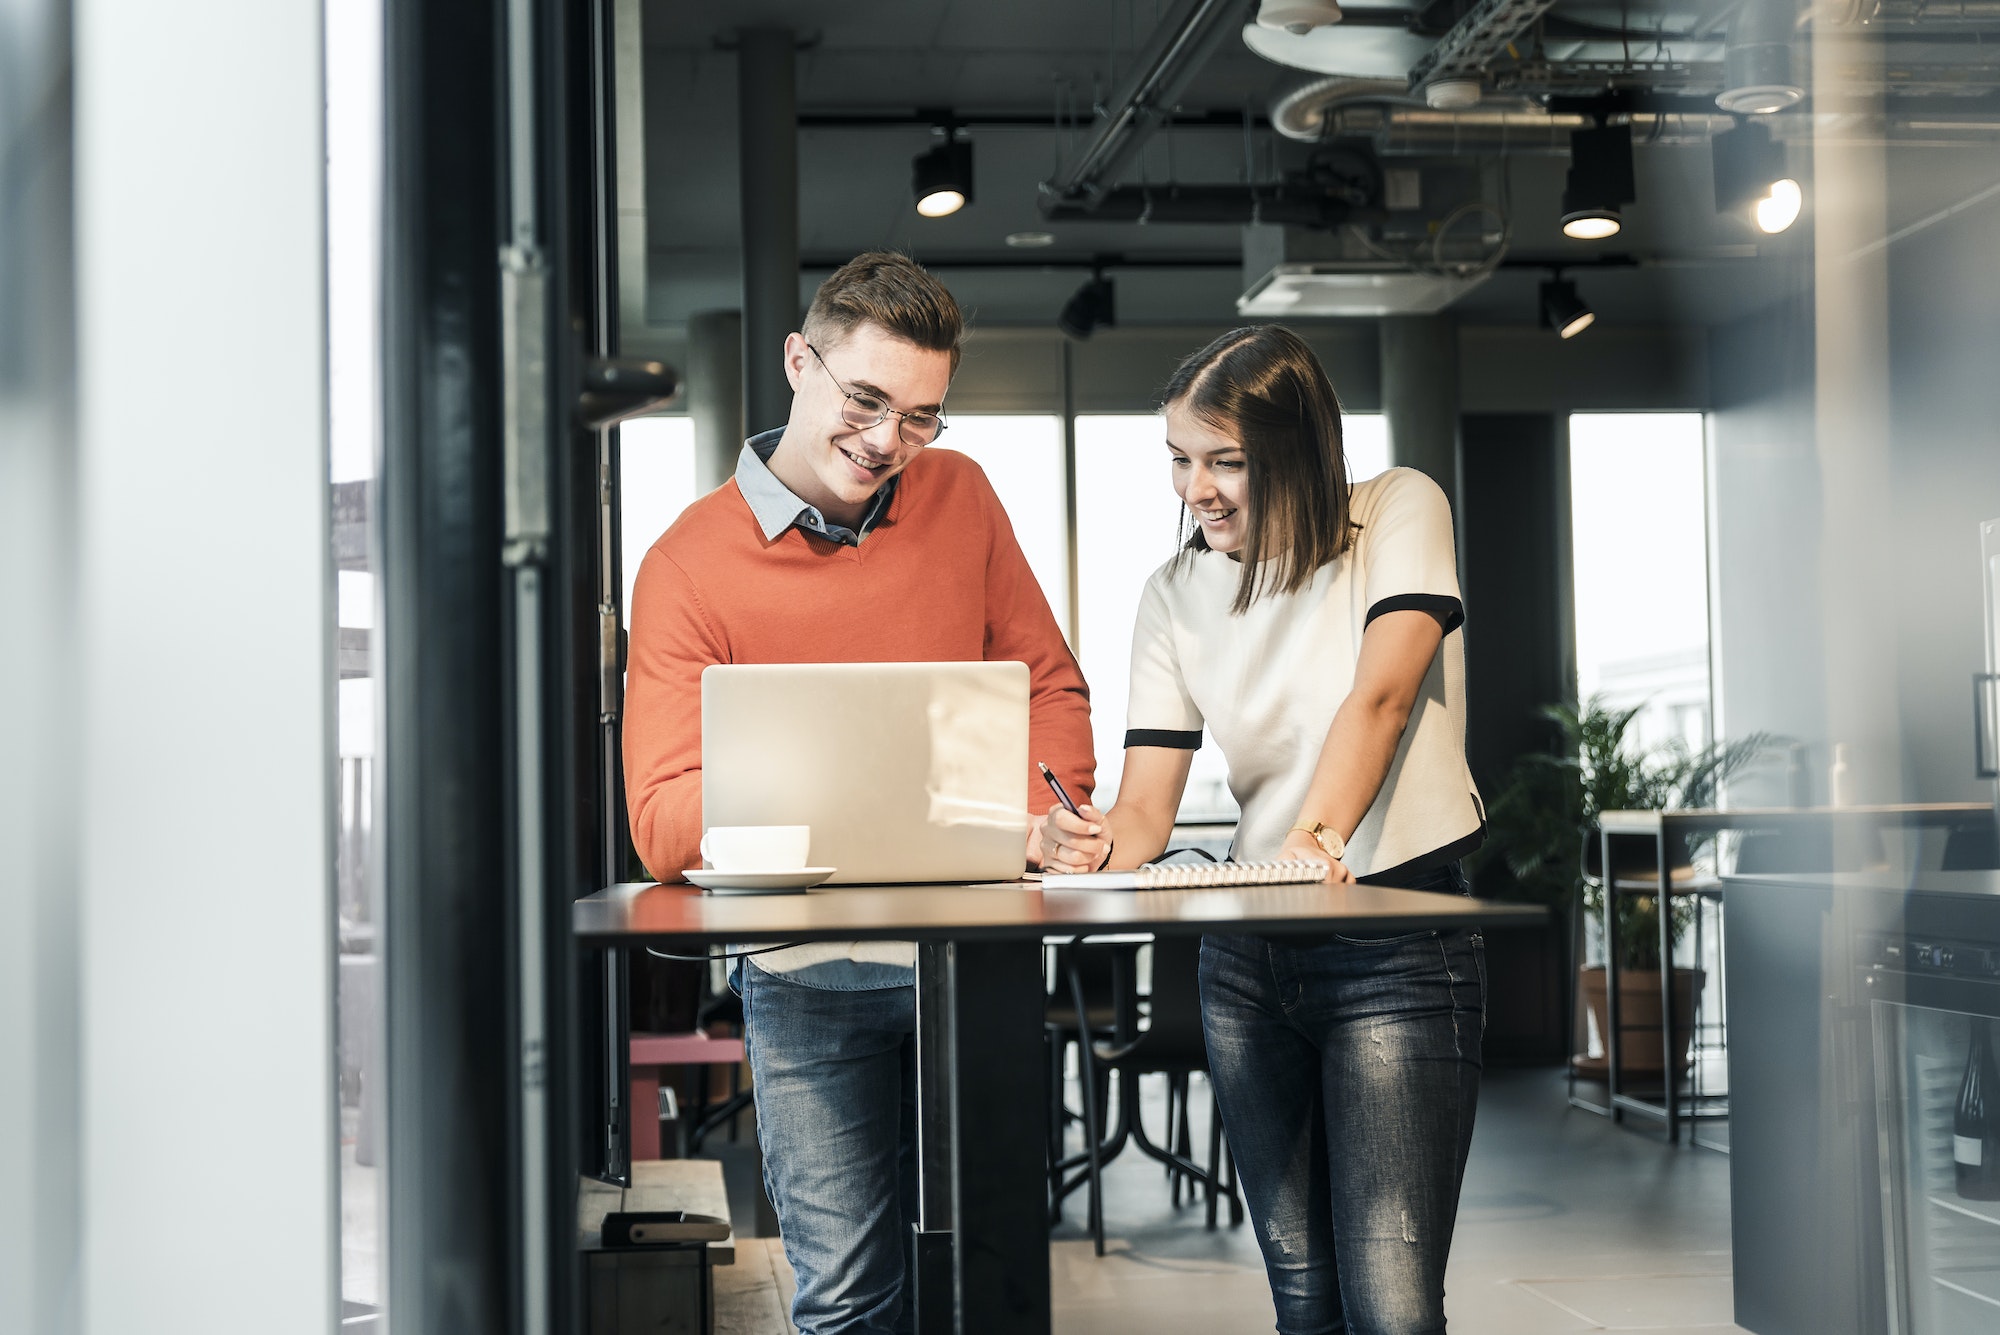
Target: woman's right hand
(1072,844)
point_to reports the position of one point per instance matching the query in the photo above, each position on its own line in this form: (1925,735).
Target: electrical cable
(724,955)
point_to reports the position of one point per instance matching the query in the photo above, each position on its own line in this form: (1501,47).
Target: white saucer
(759,882)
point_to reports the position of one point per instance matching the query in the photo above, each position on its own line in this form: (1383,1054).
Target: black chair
(1171,1045)
(1108,1008)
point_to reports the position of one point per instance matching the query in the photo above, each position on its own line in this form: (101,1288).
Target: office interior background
(294,654)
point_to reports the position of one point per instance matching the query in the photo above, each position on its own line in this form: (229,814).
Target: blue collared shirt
(777,508)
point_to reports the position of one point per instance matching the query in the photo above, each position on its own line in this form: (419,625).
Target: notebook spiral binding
(1198,875)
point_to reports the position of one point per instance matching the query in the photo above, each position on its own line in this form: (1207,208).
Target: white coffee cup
(757,847)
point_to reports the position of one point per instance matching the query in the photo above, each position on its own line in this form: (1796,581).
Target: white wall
(205,593)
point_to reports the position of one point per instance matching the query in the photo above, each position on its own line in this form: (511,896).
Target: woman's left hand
(1302,847)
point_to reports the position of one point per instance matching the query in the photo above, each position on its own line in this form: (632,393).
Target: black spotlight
(1599,183)
(1750,177)
(1092,307)
(1563,310)
(941,177)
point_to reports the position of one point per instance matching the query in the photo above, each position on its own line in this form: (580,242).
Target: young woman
(1311,626)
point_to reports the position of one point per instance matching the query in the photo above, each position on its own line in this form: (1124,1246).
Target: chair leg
(1229,1184)
(1093,1114)
(1185,1140)
(1214,1161)
(1058,1118)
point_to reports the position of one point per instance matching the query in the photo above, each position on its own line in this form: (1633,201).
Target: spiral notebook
(1191,876)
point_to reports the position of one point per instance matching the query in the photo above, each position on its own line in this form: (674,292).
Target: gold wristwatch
(1326,837)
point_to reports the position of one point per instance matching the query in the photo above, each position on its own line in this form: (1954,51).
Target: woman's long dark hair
(1263,386)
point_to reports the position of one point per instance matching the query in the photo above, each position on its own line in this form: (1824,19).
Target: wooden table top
(1744,818)
(1018,910)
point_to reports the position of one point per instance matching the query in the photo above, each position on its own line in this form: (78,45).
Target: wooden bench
(747,1297)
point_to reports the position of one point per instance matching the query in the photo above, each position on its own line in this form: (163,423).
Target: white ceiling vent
(1296,271)
(1291,290)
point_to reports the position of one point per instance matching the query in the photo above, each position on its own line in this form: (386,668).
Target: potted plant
(1542,826)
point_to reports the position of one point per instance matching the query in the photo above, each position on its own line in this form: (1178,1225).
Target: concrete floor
(1567,1223)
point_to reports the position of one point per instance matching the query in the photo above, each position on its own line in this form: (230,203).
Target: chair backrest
(1173,1041)
(1096,966)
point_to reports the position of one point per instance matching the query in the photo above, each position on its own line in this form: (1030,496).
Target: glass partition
(354,349)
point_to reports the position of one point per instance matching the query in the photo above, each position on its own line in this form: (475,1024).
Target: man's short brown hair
(890,291)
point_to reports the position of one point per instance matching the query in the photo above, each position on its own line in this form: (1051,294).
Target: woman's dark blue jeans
(1347,1070)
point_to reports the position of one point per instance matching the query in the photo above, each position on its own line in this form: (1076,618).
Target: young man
(840,539)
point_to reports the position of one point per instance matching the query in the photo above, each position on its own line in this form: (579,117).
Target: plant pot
(1638,1018)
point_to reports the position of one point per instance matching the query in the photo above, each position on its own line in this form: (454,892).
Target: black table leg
(999,1077)
(931,1282)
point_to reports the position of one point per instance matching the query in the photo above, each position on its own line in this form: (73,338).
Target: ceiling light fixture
(1563,310)
(1780,208)
(1750,178)
(1092,307)
(941,177)
(1030,240)
(1599,184)
(1297,17)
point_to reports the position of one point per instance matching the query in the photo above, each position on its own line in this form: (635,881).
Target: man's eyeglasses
(863,410)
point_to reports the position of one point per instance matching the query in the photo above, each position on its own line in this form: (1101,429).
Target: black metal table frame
(982,1231)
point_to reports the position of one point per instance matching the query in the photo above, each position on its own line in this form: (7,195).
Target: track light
(1758,76)
(1563,310)
(1092,307)
(1750,177)
(941,177)
(1599,183)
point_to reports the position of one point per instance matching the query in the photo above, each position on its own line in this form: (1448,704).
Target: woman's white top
(1266,683)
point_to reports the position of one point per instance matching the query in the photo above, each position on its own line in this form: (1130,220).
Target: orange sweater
(939,579)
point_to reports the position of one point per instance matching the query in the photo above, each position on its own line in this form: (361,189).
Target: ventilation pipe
(1301,113)
(1757,68)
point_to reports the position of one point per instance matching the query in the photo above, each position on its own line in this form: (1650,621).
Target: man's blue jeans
(835,1078)
(1347,1071)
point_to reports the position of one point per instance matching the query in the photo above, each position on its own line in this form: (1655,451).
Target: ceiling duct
(1177,50)
(1301,112)
(1378,42)
(1297,17)
(1758,76)
(1297,201)
(1408,131)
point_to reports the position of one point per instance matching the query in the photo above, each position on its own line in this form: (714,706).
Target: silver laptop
(905,771)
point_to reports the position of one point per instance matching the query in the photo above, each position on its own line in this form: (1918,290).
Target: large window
(655,483)
(1023,458)
(1639,515)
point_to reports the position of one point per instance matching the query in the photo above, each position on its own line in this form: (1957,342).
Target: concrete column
(768,148)
(1420,395)
(715,394)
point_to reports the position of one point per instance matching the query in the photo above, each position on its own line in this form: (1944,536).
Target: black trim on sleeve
(1167,737)
(1402,871)
(1449,611)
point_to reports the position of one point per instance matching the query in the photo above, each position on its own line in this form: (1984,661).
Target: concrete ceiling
(1044,58)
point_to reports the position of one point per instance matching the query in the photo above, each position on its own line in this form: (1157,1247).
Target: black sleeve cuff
(1449,611)
(1176,740)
